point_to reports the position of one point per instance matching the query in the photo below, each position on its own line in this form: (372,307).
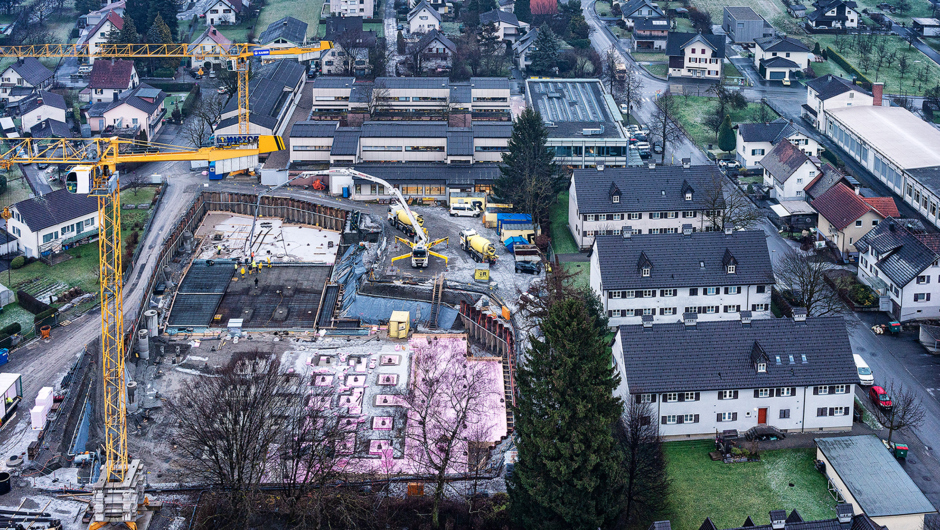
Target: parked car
(865,375)
(643,145)
(624,108)
(222,90)
(529,267)
(657,148)
(213,75)
(880,398)
(729,165)
(401,27)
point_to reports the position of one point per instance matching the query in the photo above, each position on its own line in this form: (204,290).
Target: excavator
(421,245)
(118,495)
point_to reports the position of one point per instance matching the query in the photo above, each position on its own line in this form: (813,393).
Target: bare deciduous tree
(726,206)
(611,61)
(804,275)
(630,94)
(664,127)
(379,101)
(906,410)
(205,115)
(447,404)
(647,484)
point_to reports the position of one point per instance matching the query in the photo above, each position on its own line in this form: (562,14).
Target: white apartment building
(715,275)
(797,375)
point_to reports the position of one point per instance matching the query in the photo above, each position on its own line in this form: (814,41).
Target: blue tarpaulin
(377,310)
(515,240)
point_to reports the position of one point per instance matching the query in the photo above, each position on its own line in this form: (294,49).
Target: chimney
(844,512)
(626,232)
(686,163)
(778,519)
(600,167)
(690,319)
(687,230)
(746,318)
(647,322)
(877,93)
(651,165)
(728,230)
(858,190)
(799,314)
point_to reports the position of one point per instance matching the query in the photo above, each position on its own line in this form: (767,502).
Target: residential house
(828,177)
(92,18)
(273,95)
(649,34)
(523,48)
(508,6)
(926,27)
(223,12)
(111,78)
(845,216)
(779,520)
(423,18)
(651,200)
(744,25)
(833,16)
(353,8)
(23,76)
(46,223)
(434,52)
(796,10)
(787,172)
(508,27)
(347,32)
(777,58)
(635,10)
(137,111)
(287,32)
(50,128)
(714,275)
(210,42)
(98,34)
(831,92)
(695,55)
(41,106)
(755,140)
(902,263)
(699,378)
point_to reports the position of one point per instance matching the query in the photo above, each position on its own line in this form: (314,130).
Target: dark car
(529,267)
(657,148)
(880,398)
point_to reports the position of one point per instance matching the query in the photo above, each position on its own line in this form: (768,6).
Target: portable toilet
(398,324)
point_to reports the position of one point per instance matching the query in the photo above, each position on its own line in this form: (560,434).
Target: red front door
(761,416)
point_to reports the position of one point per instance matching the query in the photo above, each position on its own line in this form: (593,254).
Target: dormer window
(731,269)
(688,195)
(646,271)
(616,198)
(762,368)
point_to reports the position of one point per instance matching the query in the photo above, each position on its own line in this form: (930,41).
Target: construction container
(503,219)
(399,324)
(492,210)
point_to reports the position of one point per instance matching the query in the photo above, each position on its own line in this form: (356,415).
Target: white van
(865,375)
(84,69)
(464,210)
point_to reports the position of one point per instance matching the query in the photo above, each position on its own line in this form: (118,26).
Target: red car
(880,398)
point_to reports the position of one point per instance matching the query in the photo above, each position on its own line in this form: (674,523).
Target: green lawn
(451,29)
(919,9)
(684,25)
(730,70)
(692,111)
(602,8)
(658,69)
(239,32)
(729,493)
(581,272)
(562,241)
(14,313)
(650,57)
(913,82)
(307,11)
(17,187)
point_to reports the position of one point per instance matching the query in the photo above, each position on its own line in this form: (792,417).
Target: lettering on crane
(228,141)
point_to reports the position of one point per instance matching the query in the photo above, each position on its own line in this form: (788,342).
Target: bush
(74,33)
(164,73)
(833,158)
(18,262)
(581,44)
(861,294)
(29,303)
(190,102)
(12,329)
(167,86)
(45,314)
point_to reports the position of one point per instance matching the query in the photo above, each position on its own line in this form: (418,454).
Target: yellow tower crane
(238,55)
(119,492)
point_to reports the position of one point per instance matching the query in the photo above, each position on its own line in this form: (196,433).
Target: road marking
(930,391)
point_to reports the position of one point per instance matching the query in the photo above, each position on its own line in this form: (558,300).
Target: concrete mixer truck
(398,217)
(477,246)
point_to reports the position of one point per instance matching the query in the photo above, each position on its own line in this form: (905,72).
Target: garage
(778,76)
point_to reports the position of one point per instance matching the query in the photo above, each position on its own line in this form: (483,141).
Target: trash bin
(44,331)
(4,356)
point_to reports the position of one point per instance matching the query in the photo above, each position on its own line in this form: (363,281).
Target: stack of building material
(42,408)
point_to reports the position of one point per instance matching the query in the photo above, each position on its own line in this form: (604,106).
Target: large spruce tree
(545,56)
(569,474)
(529,179)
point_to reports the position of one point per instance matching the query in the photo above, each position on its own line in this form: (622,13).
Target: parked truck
(528,258)
(398,217)
(620,72)
(477,246)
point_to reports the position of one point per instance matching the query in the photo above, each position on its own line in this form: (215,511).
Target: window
(649,293)
(50,236)
(858,222)
(689,215)
(689,418)
(732,308)
(731,271)
(784,414)
(629,294)
(671,419)
(921,297)
(757,152)
(655,215)
(822,412)
(634,216)
(615,294)
(762,368)
(616,198)
(710,291)
(726,394)
(693,291)
(840,389)
(727,416)
(786,392)
(923,279)
(763,392)
(690,396)
(761,289)
(646,398)
(647,311)
(839,411)
(646,271)
(710,309)
(618,217)
(822,390)
(672,215)
(672,397)
(688,195)
(589,217)
(667,310)
(668,292)
(736,289)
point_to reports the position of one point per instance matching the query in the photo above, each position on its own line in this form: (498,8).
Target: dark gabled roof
(335,26)
(214,35)
(48,99)
(111,17)
(679,260)
(288,28)
(134,98)
(313,129)
(424,5)
(841,206)
(778,62)
(445,174)
(112,74)
(525,41)
(716,355)
(794,517)
(660,525)
(346,141)
(404,129)
(644,189)
(829,85)
(435,35)
(50,128)
(771,132)
(268,92)
(748,522)
(630,7)
(677,42)
(865,468)
(31,70)
(780,44)
(783,160)
(236,5)
(54,208)
(901,253)
(707,524)
(828,177)
(743,13)
(823,8)
(498,16)
(651,24)
(460,141)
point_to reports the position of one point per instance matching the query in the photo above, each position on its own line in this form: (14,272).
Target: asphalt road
(36,178)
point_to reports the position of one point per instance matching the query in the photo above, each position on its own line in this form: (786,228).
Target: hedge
(860,78)
(45,314)
(833,158)
(168,86)
(30,304)
(189,103)
(12,329)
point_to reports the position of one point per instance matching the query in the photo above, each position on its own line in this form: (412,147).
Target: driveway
(391,38)
(36,179)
